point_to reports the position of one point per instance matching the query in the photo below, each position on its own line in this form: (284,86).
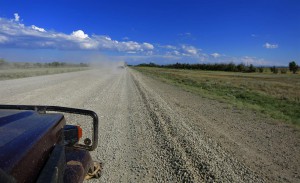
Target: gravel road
(153,132)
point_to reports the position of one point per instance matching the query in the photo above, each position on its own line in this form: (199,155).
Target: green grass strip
(282,109)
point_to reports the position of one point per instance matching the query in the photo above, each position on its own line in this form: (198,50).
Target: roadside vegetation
(276,95)
(14,70)
(229,67)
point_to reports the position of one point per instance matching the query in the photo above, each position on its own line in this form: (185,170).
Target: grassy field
(21,73)
(276,95)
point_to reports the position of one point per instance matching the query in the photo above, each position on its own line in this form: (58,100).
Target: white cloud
(89,45)
(148,46)
(107,38)
(185,51)
(253,60)
(215,55)
(38,28)
(18,35)
(270,46)
(79,34)
(149,53)
(3,39)
(189,50)
(130,45)
(17,17)
(171,47)
(176,52)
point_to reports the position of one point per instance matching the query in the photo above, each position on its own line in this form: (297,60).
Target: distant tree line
(211,67)
(293,67)
(24,65)
(230,67)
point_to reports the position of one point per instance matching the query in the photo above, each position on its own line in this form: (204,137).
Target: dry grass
(30,72)
(277,95)
(282,86)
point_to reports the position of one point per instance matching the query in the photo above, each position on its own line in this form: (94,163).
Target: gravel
(153,132)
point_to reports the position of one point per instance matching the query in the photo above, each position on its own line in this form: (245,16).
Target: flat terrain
(30,72)
(151,131)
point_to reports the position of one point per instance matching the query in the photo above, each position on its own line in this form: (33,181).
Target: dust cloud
(106,64)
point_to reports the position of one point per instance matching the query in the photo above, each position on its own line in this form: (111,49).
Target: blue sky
(262,32)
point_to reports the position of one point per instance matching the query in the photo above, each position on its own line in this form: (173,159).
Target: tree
(274,70)
(293,67)
(241,67)
(251,68)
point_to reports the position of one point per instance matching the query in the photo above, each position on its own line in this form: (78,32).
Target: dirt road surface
(153,132)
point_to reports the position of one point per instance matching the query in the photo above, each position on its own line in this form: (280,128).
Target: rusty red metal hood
(26,138)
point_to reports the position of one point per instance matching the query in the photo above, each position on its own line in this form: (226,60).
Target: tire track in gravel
(190,161)
(113,132)
(164,142)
